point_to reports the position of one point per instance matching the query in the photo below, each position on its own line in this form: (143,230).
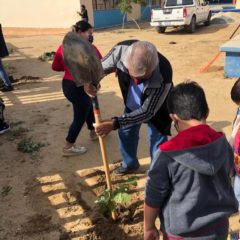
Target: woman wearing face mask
(81,102)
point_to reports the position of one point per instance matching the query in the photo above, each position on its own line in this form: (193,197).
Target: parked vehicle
(185,13)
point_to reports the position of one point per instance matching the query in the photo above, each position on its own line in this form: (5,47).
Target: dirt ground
(45,196)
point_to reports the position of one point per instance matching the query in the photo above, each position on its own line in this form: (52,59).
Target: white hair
(142,58)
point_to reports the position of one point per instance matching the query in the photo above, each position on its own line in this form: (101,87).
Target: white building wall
(39,13)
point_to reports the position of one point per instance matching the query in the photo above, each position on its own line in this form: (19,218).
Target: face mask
(90,38)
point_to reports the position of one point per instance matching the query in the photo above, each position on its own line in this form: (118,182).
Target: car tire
(207,23)
(192,27)
(161,29)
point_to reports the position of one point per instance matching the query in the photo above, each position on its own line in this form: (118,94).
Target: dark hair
(83,6)
(188,101)
(235,92)
(81,26)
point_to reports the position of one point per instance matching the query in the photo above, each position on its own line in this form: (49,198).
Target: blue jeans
(3,75)
(237,189)
(82,109)
(128,142)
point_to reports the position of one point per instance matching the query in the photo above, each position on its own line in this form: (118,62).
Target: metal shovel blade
(81,60)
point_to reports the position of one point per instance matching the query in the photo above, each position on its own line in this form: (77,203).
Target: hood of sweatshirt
(206,149)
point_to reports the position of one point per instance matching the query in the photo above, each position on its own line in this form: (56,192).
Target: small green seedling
(9,68)
(5,190)
(111,199)
(27,145)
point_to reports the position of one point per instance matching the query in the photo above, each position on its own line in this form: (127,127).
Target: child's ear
(174,117)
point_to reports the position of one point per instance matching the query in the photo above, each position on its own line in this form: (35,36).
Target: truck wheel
(192,27)
(207,23)
(161,29)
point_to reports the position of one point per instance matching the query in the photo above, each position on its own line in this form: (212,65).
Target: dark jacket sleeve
(158,181)
(143,113)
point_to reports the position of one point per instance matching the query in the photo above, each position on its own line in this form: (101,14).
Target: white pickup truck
(177,13)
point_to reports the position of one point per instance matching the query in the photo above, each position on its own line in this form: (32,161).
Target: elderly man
(145,79)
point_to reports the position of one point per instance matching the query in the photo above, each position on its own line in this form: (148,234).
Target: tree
(125,7)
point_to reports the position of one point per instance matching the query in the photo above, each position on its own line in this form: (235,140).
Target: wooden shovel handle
(97,116)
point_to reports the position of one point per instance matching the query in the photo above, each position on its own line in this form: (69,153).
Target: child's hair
(235,92)
(83,6)
(81,26)
(188,101)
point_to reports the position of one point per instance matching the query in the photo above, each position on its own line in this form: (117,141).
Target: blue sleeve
(158,181)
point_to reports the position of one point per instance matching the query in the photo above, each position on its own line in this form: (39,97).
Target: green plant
(112,199)
(9,68)
(5,190)
(27,145)
(125,6)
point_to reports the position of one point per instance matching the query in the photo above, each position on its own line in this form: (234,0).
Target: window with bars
(105,4)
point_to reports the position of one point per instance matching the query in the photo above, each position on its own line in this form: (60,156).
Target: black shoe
(123,171)
(4,128)
(11,79)
(7,89)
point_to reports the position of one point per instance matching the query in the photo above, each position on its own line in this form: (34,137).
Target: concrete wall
(107,18)
(39,13)
(57,14)
(114,17)
(136,11)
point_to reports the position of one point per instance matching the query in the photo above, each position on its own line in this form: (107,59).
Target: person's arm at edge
(156,191)
(58,63)
(150,216)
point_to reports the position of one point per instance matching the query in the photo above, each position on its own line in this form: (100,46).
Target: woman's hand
(91,90)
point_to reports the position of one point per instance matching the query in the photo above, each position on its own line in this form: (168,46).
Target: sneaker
(123,171)
(93,136)
(7,89)
(4,128)
(74,150)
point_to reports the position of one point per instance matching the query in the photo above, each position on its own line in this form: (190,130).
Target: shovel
(85,66)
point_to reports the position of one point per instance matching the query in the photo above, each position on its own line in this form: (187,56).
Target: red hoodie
(59,65)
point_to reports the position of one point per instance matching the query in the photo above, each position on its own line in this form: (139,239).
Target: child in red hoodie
(188,183)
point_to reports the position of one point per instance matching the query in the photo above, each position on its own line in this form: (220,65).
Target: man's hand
(91,90)
(151,234)
(104,128)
